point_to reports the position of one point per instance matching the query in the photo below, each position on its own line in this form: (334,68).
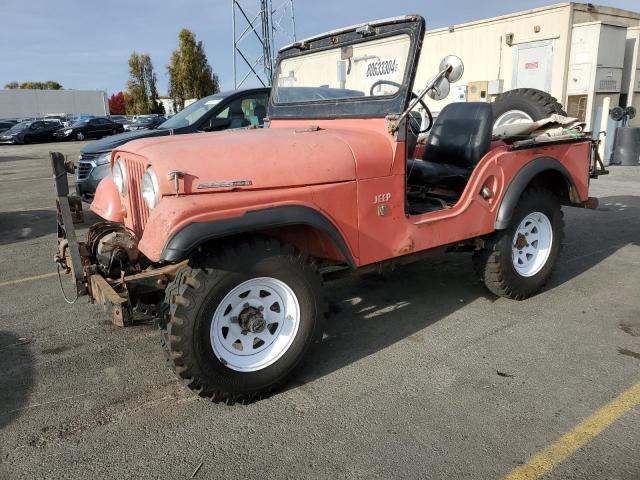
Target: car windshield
(80,122)
(374,68)
(191,114)
(20,126)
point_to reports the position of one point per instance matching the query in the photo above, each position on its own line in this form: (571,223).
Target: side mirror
(440,90)
(454,67)
(217,123)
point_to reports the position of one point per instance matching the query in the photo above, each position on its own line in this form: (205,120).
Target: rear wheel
(524,105)
(518,261)
(240,321)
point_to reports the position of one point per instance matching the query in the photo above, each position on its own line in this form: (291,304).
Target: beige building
(579,53)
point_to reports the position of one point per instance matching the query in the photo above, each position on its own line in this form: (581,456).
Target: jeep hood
(253,159)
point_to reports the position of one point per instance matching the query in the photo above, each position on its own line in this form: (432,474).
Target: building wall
(482,47)
(31,103)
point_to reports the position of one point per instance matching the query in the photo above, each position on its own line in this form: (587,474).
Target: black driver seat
(460,137)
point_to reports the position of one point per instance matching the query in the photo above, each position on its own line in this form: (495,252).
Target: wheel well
(544,172)
(310,240)
(303,227)
(554,181)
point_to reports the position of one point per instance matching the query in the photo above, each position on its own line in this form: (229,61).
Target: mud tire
(535,103)
(494,263)
(198,289)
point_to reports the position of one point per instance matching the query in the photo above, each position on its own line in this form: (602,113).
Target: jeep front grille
(137,210)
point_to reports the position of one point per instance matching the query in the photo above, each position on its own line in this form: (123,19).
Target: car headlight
(68,131)
(103,158)
(150,190)
(119,175)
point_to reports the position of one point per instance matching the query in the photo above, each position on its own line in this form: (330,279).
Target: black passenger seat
(460,137)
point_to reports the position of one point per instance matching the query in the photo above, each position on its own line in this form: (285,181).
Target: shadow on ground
(20,226)
(16,376)
(376,312)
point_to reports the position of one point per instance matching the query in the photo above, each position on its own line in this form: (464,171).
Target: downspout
(568,55)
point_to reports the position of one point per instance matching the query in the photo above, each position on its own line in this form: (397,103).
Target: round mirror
(455,67)
(440,90)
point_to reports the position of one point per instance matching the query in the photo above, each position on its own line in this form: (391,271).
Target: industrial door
(533,65)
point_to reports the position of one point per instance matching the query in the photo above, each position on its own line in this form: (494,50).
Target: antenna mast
(257,36)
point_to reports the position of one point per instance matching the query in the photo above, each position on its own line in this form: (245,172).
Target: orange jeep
(227,237)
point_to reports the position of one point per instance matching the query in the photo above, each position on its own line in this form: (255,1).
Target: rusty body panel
(338,168)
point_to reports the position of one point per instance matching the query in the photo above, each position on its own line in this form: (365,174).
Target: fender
(520,182)
(106,201)
(182,243)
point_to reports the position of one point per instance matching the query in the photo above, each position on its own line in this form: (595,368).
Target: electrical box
(496,87)
(478,91)
(596,64)
(459,93)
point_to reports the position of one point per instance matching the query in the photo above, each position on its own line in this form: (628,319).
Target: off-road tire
(198,289)
(536,103)
(494,263)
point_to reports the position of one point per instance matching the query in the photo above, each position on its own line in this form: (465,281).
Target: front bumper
(119,296)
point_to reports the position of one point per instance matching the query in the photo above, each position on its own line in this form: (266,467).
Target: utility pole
(257,36)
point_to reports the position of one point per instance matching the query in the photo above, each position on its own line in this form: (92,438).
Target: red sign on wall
(532,65)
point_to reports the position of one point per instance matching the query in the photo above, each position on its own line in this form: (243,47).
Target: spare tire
(524,105)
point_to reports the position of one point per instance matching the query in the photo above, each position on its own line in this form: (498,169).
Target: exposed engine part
(115,248)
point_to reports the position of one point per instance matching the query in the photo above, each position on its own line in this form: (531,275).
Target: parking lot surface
(421,373)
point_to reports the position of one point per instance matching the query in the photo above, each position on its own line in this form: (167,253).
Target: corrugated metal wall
(32,103)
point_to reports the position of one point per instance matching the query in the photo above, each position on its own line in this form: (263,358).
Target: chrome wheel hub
(255,324)
(531,245)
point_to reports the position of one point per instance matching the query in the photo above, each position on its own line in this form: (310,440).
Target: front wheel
(80,136)
(240,321)
(518,261)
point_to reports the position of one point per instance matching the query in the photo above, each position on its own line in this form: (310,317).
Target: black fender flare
(520,182)
(186,240)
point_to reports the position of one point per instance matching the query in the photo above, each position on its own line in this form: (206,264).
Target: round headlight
(119,175)
(150,190)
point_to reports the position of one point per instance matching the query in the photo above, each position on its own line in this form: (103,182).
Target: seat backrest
(236,115)
(461,135)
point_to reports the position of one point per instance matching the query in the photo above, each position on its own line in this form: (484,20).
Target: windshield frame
(355,107)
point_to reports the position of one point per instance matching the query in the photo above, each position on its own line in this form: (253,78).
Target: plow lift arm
(66,231)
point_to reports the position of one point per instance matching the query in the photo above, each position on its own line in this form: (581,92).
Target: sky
(85,44)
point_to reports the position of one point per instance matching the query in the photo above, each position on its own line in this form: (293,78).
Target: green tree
(142,90)
(48,85)
(190,75)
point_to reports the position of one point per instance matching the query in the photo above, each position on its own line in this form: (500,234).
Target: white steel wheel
(255,324)
(531,244)
(511,117)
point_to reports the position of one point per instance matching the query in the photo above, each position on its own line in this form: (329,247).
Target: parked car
(121,119)
(6,125)
(30,132)
(234,109)
(89,128)
(76,118)
(145,122)
(227,238)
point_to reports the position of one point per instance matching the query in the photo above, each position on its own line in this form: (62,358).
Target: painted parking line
(545,461)
(27,279)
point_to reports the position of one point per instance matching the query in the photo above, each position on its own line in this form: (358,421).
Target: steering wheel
(416,130)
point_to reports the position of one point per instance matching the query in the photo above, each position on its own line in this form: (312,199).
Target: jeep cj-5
(226,238)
